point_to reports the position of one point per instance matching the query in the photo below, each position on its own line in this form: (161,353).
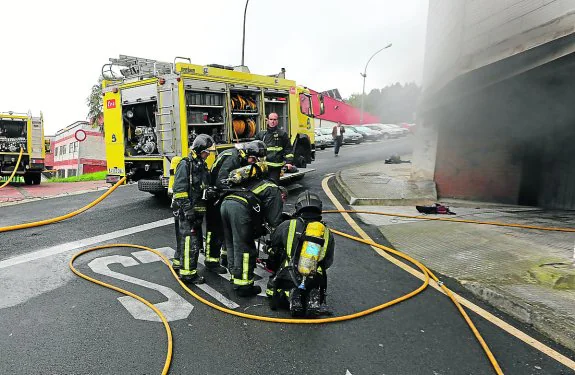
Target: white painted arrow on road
(175,308)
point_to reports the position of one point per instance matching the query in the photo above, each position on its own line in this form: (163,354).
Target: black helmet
(255,148)
(308,205)
(203,142)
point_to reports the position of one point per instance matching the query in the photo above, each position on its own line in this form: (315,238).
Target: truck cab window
(305,104)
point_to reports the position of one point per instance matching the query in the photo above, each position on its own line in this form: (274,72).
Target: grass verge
(96,176)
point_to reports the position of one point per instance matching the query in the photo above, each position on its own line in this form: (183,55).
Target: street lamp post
(244,32)
(364,74)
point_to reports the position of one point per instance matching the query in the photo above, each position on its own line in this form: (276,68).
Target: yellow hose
(285,320)
(63,217)
(223,309)
(424,270)
(555,229)
(15,169)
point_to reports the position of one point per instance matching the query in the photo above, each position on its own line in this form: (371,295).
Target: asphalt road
(52,322)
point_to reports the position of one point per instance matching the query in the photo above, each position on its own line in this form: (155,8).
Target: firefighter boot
(215,267)
(249,290)
(273,294)
(296,302)
(193,279)
(313,303)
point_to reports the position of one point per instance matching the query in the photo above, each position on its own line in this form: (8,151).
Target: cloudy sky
(53,51)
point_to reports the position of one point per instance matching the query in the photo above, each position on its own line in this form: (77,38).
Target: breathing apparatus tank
(311,249)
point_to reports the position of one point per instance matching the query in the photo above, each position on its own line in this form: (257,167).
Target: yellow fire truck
(153,111)
(22,131)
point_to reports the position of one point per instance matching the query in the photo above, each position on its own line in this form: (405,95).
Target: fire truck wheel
(28,179)
(36,179)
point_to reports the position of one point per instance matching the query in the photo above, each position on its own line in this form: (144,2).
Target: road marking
(470,305)
(58,249)
(175,308)
(168,252)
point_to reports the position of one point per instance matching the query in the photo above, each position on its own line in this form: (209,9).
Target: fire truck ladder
(135,67)
(165,124)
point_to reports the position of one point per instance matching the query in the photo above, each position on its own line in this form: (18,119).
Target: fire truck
(22,131)
(154,110)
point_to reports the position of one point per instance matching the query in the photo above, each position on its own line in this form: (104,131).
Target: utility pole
(364,74)
(244,32)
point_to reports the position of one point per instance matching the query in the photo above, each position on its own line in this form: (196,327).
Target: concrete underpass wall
(463,35)
(481,167)
(513,142)
(497,103)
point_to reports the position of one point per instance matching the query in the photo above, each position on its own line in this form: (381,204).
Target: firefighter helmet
(203,143)
(255,148)
(308,205)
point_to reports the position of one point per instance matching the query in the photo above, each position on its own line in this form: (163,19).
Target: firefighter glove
(211,194)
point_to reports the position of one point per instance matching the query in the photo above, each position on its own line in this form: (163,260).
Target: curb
(548,322)
(352,200)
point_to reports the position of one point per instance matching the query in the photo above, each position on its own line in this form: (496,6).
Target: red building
(339,111)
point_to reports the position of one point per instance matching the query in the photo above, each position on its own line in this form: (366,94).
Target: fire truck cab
(153,111)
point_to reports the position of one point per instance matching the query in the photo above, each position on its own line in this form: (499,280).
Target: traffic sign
(80,135)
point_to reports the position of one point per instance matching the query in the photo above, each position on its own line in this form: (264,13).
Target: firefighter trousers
(214,233)
(178,252)
(190,233)
(239,241)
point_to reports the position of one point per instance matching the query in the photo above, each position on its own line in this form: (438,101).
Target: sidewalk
(19,192)
(528,274)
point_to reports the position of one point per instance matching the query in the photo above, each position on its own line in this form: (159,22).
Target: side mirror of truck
(47,145)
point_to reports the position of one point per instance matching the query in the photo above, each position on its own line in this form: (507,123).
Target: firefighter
(244,213)
(190,182)
(279,148)
(225,163)
(301,251)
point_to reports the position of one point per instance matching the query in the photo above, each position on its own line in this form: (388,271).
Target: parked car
(368,134)
(404,131)
(410,127)
(383,133)
(323,138)
(351,135)
(387,131)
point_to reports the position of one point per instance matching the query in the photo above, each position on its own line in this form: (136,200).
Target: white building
(72,157)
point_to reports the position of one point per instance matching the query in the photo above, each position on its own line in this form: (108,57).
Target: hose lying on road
(232,312)
(424,270)
(63,217)
(495,223)
(15,169)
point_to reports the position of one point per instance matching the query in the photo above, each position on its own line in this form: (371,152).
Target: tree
(392,104)
(95,104)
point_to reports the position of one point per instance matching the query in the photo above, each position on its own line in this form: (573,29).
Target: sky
(53,51)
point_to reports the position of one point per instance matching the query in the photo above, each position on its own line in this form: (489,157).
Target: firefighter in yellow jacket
(279,148)
(190,182)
